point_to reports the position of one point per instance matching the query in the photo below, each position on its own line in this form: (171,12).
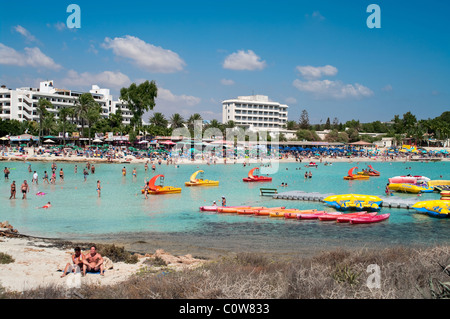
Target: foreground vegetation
(405,273)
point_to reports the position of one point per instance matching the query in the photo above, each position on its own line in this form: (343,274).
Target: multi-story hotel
(20,104)
(255,112)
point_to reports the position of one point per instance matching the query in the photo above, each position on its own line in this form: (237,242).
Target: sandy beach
(39,263)
(30,156)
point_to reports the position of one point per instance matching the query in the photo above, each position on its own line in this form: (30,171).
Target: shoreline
(133,160)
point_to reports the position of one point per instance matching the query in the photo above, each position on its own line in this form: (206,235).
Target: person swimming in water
(48,205)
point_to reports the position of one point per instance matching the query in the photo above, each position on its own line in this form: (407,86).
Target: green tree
(63,114)
(304,120)
(93,116)
(176,121)
(158,119)
(139,98)
(82,105)
(41,110)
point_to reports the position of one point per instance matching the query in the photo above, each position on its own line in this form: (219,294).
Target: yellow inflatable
(354,202)
(410,188)
(434,208)
(194,181)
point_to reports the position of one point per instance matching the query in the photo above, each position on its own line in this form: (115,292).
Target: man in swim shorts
(93,261)
(6,171)
(77,262)
(25,189)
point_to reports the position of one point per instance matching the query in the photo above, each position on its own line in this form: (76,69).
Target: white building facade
(20,104)
(256,112)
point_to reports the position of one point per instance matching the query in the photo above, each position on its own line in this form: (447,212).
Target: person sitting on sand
(77,262)
(93,262)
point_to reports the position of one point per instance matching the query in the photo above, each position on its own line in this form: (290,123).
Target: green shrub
(6,259)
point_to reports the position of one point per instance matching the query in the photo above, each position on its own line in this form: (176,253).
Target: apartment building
(20,104)
(255,112)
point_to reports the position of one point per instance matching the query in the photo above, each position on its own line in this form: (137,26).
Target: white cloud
(333,89)
(387,88)
(167,96)
(145,55)
(242,60)
(107,79)
(227,82)
(30,57)
(318,15)
(28,36)
(291,100)
(312,72)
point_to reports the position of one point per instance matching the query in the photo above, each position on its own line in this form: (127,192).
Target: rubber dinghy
(256,178)
(433,208)
(354,202)
(194,181)
(160,189)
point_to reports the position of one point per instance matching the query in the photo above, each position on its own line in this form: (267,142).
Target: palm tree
(92,116)
(176,121)
(63,114)
(82,105)
(158,119)
(192,119)
(41,110)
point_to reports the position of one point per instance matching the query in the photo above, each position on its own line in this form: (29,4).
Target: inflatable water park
(351,208)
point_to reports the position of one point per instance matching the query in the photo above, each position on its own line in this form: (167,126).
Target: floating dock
(391,201)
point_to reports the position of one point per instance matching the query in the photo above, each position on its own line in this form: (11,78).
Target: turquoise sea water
(123,214)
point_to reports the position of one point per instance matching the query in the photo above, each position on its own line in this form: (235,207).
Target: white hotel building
(256,112)
(20,104)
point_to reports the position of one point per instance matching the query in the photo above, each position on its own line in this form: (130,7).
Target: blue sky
(313,55)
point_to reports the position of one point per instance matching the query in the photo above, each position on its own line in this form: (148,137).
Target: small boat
(160,189)
(329,216)
(351,176)
(370,172)
(369,219)
(256,178)
(295,213)
(313,215)
(345,218)
(255,210)
(235,209)
(194,181)
(214,208)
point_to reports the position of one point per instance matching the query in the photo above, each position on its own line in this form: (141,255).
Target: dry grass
(406,273)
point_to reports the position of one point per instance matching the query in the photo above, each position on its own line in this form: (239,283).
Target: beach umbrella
(49,141)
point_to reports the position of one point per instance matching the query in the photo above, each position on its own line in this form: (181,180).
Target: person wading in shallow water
(25,189)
